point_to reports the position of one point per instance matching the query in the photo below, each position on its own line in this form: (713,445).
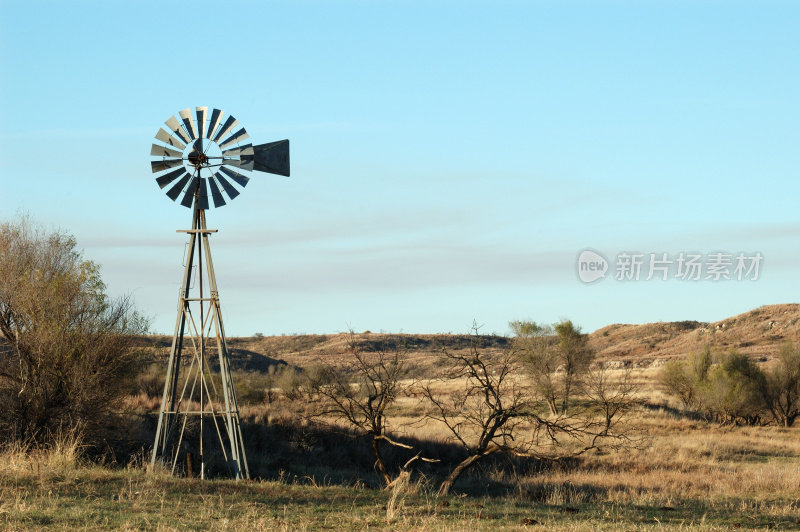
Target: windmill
(199,153)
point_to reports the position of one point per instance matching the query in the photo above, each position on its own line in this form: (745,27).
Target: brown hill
(759,333)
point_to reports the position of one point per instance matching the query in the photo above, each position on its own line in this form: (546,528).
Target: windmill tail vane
(204,154)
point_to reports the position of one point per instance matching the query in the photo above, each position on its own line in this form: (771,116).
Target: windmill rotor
(204,154)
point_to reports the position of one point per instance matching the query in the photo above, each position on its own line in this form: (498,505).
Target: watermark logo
(682,266)
(592,266)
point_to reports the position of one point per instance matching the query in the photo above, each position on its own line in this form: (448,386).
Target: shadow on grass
(317,454)
(676,413)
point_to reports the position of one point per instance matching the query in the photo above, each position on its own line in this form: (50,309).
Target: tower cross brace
(192,401)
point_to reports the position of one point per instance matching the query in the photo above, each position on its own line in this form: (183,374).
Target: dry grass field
(684,473)
(689,476)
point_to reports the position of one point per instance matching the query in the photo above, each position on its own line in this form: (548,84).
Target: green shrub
(734,391)
(683,378)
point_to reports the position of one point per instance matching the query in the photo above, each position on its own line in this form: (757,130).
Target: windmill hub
(198,159)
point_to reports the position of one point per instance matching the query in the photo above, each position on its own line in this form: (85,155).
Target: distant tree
(556,364)
(611,398)
(67,356)
(576,356)
(529,329)
(286,379)
(782,395)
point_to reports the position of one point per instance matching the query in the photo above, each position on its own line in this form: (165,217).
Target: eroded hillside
(758,333)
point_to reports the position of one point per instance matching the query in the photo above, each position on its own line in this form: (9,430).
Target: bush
(67,358)
(683,378)
(783,386)
(734,391)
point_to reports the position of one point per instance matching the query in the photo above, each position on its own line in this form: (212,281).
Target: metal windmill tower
(199,411)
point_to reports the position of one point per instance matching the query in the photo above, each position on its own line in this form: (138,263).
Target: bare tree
(610,399)
(482,414)
(359,394)
(484,402)
(67,357)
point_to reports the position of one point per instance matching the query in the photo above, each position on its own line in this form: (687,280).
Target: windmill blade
(166,138)
(272,157)
(198,145)
(229,124)
(219,201)
(168,178)
(236,176)
(176,189)
(160,166)
(188,123)
(247,149)
(201,120)
(245,163)
(216,116)
(202,197)
(188,197)
(163,151)
(175,127)
(236,137)
(229,189)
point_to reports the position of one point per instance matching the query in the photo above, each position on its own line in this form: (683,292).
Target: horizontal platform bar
(197,412)
(196,230)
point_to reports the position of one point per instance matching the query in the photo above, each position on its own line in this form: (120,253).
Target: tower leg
(184,390)
(167,415)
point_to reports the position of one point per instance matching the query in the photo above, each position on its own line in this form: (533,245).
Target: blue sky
(450,160)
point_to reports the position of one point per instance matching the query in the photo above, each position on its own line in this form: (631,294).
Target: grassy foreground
(98,499)
(691,477)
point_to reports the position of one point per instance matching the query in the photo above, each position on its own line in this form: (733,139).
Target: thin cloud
(403,269)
